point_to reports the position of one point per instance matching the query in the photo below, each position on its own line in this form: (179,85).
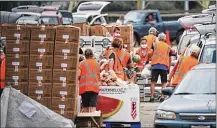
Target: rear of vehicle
(28,20)
(9,17)
(66,17)
(51,17)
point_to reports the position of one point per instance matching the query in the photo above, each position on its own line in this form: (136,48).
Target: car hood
(189,103)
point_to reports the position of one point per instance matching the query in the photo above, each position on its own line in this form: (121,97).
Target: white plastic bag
(146,72)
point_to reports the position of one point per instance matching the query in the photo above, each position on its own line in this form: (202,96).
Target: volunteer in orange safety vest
(160,62)
(2,67)
(144,54)
(151,38)
(89,76)
(119,59)
(184,64)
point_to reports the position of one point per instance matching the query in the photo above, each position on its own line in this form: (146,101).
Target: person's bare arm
(172,73)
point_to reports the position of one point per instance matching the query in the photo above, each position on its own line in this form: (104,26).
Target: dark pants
(89,99)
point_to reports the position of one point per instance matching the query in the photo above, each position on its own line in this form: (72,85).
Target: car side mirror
(168,91)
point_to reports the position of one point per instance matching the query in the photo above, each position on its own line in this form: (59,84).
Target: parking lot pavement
(147,112)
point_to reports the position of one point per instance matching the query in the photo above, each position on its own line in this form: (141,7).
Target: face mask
(144,45)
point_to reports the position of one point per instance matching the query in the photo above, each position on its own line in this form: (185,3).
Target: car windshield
(134,16)
(49,20)
(187,52)
(201,81)
(28,20)
(79,19)
(208,54)
(67,20)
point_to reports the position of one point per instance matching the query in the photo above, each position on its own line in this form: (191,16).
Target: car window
(79,19)
(98,21)
(21,7)
(67,20)
(187,52)
(49,20)
(134,16)
(198,81)
(208,54)
(183,42)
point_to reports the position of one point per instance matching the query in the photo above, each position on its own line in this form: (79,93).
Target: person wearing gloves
(89,78)
(144,54)
(160,63)
(184,65)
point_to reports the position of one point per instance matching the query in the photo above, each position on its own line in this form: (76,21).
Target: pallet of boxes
(41,62)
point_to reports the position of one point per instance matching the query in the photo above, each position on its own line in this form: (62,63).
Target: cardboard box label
(62,106)
(63,92)
(65,36)
(39,78)
(38,64)
(38,91)
(41,50)
(42,35)
(17,35)
(15,77)
(63,65)
(16,49)
(15,63)
(62,78)
(65,51)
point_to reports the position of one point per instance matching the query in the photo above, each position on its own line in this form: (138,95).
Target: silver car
(27,8)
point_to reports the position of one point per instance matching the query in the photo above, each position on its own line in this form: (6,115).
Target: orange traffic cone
(168,37)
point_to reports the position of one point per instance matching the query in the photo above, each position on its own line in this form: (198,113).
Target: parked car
(28,8)
(139,20)
(66,17)
(9,17)
(51,17)
(29,14)
(90,12)
(28,20)
(192,103)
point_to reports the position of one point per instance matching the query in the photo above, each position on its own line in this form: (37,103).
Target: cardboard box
(64,90)
(17,47)
(17,60)
(67,114)
(84,28)
(68,34)
(98,30)
(93,120)
(68,76)
(43,33)
(16,76)
(44,90)
(68,104)
(45,48)
(69,63)
(46,62)
(22,86)
(15,31)
(46,101)
(110,28)
(45,76)
(67,49)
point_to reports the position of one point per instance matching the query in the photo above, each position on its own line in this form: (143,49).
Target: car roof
(205,66)
(145,11)
(49,13)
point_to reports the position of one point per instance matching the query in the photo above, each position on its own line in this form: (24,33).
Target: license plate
(200,126)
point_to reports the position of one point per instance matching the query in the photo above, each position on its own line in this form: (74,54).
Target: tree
(204,3)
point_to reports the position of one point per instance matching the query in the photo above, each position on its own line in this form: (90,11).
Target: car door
(92,7)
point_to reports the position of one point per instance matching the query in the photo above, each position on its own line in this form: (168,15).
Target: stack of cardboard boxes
(17,58)
(44,67)
(84,28)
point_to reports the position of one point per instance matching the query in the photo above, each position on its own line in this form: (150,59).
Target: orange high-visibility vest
(150,40)
(185,64)
(121,59)
(143,57)
(2,72)
(89,77)
(161,54)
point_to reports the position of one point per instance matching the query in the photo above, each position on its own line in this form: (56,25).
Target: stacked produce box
(64,94)
(41,64)
(84,28)
(17,59)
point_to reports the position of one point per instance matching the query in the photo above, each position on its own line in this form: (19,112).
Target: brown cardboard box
(12,61)
(69,104)
(70,63)
(98,30)
(20,76)
(46,101)
(45,76)
(44,90)
(68,91)
(84,28)
(45,48)
(69,76)
(43,33)
(110,29)
(46,62)
(93,120)
(20,47)
(69,49)
(68,34)
(16,32)
(22,86)
(67,114)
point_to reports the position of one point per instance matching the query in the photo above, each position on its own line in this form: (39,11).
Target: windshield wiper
(184,93)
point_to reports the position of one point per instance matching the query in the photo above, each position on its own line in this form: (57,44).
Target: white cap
(162,36)
(195,49)
(152,30)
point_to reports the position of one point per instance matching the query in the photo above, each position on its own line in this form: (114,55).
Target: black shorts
(155,73)
(89,99)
